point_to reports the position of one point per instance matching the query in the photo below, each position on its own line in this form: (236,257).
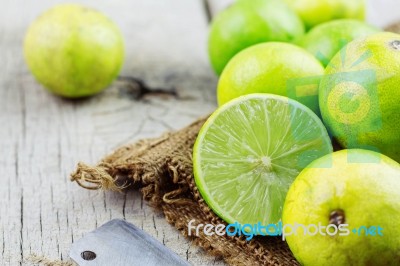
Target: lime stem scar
(395,44)
(337,217)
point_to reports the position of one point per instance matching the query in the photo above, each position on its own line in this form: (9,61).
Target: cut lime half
(250,151)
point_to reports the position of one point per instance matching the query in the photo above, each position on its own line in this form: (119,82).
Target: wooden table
(42,137)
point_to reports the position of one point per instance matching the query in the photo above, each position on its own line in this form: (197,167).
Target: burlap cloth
(162,169)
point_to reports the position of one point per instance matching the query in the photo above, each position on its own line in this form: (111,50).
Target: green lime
(356,194)
(326,39)
(359,95)
(74,51)
(246,23)
(314,12)
(276,68)
(249,152)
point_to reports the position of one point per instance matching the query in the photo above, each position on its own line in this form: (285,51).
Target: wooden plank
(43,137)
(383,13)
(216,6)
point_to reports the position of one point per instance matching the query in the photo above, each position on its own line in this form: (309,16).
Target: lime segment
(249,152)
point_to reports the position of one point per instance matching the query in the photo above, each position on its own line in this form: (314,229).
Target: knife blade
(120,243)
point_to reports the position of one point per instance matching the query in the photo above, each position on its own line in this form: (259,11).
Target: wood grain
(42,137)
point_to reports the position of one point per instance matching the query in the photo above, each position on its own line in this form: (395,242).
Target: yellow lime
(246,23)
(314,12)
(359,95)
(277,68)
(74,51)
(326,39)
(347,209)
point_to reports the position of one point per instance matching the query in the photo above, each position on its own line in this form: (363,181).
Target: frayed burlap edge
(162,168)
(41,260)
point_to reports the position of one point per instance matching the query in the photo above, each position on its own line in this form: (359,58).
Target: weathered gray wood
(42,137)
(382,13)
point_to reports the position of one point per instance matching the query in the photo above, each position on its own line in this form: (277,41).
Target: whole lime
(359,95)
(326,39)
(346,208)
(74,51)
(246,23)
(314,12)
(276,68)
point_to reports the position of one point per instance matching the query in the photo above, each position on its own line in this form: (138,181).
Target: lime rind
(249,152)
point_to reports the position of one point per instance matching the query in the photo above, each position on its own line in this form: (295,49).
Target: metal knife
(119,243)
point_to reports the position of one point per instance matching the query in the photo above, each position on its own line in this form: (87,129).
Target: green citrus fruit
(359,95)
(277,68)
(74,51)
(314,12)
(356,194)
(250,150)
(325,40)
(246,23)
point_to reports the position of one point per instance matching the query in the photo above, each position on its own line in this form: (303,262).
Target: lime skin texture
(276,68)
(359,188)
(74,51)
(246,23)
(359,95)
(327,39)
(314,12)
